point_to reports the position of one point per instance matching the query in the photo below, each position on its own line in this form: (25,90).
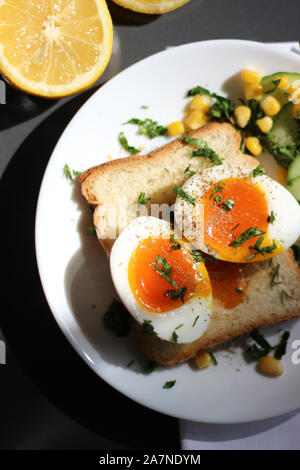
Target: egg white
(190,219)
(164,323)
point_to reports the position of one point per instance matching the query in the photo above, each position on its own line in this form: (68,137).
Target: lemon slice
(54,48)
(151,6)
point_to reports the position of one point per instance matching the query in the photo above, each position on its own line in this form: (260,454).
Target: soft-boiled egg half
(160,282)
(237,215)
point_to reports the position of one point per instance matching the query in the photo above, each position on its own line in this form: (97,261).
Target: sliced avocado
(268,84)
(294,169)
(282,140)
(294,188)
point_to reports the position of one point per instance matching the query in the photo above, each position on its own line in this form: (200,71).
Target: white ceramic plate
(73,269)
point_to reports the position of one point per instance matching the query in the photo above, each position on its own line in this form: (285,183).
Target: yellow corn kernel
(270,105)
(270,366)
(202,360)
(294,88)
(195,119)
(284,82)
(242,115)
(296,111)
(198,102)
(253,145)
(250,76)
(175,128)
(282,175)
(253,92)
(265,124)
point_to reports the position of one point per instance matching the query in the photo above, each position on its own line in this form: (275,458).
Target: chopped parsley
(257,249)
(169,384)
(245,236)
(217,189)
(212,356)
(218,199)
(258,170)
(144,106)
(181,193)
(124,143)
(176,294)
(166,169)
(198,258)
(174,242)
(148,127)
(189,172)
(174,336)
(148,328)
(221,109)
(151,366)
(239,290)
(203,150)
(265,347)
(70,174)
(280,349)
(275,83)
(195,321)
(284,296)
(117,319)
(228,205)
(142,199)
(130,363)
(165,270)
(275,276)
(271,218)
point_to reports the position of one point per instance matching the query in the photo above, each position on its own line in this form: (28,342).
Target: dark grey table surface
(49,398)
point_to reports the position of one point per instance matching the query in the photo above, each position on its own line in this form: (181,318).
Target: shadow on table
(27,322)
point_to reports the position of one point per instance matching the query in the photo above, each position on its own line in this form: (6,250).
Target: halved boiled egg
(237,215)
(160,282)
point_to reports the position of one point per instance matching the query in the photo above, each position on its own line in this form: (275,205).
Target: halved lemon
(151,6)
(54,48)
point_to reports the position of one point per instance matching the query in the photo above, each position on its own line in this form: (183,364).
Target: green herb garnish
(221,109)
(258,170)
(271,218)
(198,258)
(217,189)
(181,193)
(203,150)
(124,143)
(189,172)
(165,270)
(174,336)
(148,328)
(245,236)
(275,275)
(228,205)
(280,349)
(258,249)
(117,319)
(142,199)
(174,241)
(169,384)
(284,296)
(130,363)
(148,127)
(195,321)
(212,356)
(91,230)
(275,83)
(176,294)
(151,366)
(70,174)
(239,290)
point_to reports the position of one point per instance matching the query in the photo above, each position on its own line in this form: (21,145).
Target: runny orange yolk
(228,281)
(150,288)
(222,227)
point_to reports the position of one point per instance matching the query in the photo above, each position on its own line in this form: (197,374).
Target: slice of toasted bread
(155,175)
(115,186)
(262,306)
